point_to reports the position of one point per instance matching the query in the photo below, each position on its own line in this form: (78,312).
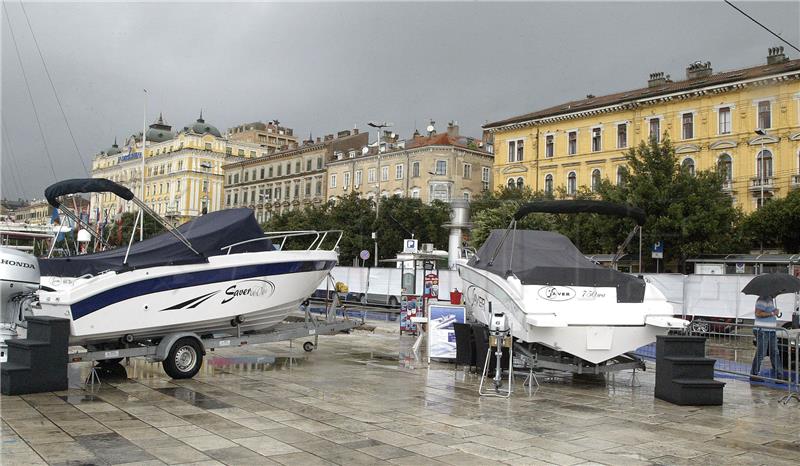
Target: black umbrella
(772,284)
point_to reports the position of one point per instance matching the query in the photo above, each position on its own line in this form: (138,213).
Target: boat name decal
(24,265)
(251,288)
(556,293)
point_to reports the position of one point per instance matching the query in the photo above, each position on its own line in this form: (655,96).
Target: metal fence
(734,348)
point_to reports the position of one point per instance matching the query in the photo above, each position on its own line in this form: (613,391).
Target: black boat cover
(582,206)
(547,258)
(207,234)
(85,185)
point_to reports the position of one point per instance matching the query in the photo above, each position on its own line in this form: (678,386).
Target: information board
(441,335)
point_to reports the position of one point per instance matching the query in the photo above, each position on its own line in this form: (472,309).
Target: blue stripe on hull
(185,280)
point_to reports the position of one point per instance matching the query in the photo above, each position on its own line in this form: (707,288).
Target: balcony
(727,186)
(795,183)
(756,183)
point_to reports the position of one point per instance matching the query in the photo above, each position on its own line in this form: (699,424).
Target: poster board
(408,309)
(441,335)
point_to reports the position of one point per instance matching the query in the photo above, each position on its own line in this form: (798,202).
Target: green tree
(776,224)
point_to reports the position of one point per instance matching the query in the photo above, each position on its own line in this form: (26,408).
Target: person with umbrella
(767,287)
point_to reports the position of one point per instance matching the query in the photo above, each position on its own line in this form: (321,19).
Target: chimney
(656,79)
(452,129)
(355,131)
(328,137)
(776,56)
(698,69)
(343,134)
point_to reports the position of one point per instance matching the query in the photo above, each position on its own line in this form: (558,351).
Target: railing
(734,347)
(319,238)
(757,182)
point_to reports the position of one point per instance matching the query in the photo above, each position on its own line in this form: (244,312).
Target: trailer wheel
(308,346)
(184,359)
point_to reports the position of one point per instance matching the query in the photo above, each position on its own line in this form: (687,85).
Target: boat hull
(585,322)
(260,288)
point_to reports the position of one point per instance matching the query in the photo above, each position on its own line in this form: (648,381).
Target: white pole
(144,144)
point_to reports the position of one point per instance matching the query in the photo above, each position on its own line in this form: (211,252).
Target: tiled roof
(648,92)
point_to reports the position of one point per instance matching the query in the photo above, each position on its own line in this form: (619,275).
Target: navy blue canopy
(207,234)
(85,185)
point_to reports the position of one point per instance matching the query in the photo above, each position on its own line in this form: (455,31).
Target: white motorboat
(212,274)
(555,298)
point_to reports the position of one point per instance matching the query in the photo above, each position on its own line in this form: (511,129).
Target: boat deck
(364,399)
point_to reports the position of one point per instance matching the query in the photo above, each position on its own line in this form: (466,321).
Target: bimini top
(85,185)
(207,234)
(547,258)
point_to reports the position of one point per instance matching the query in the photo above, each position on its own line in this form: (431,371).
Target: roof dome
(114,149)
(201,127)
(160,131)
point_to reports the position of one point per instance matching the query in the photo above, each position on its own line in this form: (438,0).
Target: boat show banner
(441,335)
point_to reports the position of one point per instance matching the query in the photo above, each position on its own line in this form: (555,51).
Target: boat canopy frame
(104,185)
(577,207)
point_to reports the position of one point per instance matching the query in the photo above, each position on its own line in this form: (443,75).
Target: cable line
(766,28)
(12,162)
(30,94)
(49,78)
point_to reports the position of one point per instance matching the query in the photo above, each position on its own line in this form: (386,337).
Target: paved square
(363,399)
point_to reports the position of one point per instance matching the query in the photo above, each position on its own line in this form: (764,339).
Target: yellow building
(183,170)
(710,118)
(441,167)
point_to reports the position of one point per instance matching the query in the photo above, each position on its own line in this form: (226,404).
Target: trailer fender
(166,343)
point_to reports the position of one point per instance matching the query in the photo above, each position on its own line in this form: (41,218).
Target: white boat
(212,274)
(556,299)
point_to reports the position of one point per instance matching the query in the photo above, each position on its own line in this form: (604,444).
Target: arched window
(548,184)
(725,166)
(572,183)
(622,175)
(520,183)
(595,179)
(688,165)
(764,164)
(511,183)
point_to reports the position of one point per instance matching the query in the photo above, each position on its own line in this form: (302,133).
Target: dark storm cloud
(321,68)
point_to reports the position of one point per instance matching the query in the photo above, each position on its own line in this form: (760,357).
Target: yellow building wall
(705,147)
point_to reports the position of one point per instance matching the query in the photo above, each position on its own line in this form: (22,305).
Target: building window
(520,149)
(441,167)
(358,178)
(297,190)
(595,179)
(622,135)
(240,152)
(252,154)
(511,183)
(572,183)
(205,186)
(512,151)
(466,196)
(655,129)
(622,176)
(520,183)
(318,190)
(572,142)
(549,146)
(415,169)
(230,179)
(688,166)
(288,168)
(687,125)
(319,163)
(236,178)
(235,198)
(764,165)
(724,118)
(415,193)
(384,173)
(764,114)
(346,180)
(228,199)
(440,192)
(228,150)
(288,191)
(280,170)
(398,171)
(485,174)
(467,175)
(262,173)
(208,146)
(308,165)
(269,171)
(725,166)
(333,180)
(277,192)
(246,176)
(597,143)
(548,184)
(371,175)
(298,167)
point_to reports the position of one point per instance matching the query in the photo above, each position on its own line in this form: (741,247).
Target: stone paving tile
(385,452)
(208,442)
(237,455)
(266,446)
(113,448)
(300,458)
(178,455)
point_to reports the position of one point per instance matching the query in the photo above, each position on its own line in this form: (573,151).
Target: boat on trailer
(216,274)
(562,307)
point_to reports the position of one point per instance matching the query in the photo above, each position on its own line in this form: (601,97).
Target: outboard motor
(19,280)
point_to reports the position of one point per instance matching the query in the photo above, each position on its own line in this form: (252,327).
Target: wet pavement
(364,399)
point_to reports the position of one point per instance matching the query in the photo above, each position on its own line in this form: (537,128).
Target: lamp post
(206,167)
(379,127)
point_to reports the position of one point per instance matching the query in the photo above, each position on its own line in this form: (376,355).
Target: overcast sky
(321,68)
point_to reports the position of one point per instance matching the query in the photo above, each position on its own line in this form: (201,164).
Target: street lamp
(206,167)
(379,127)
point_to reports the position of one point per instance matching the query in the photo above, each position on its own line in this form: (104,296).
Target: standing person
(766,321)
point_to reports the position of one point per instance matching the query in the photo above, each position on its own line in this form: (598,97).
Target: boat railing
(317,238)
